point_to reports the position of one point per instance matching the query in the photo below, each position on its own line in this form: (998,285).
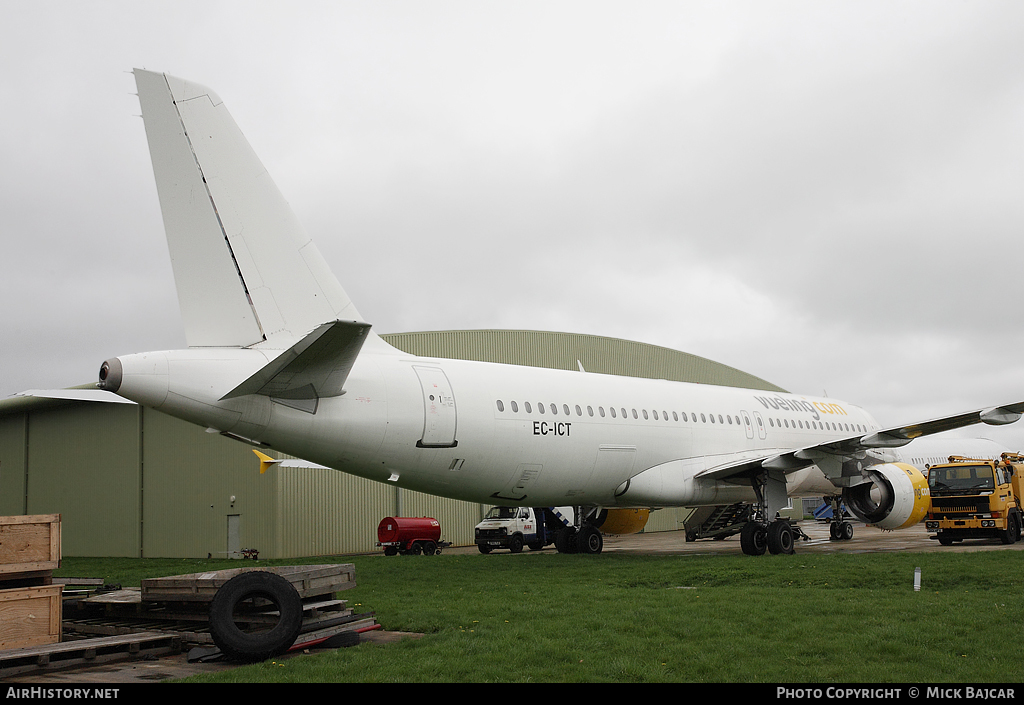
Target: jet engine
(895,496)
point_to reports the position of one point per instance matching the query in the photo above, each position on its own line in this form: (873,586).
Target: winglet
(265,461)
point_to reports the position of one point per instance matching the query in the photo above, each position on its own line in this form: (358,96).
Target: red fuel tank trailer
(410,535)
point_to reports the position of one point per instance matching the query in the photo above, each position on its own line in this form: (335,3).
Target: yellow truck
(976,498)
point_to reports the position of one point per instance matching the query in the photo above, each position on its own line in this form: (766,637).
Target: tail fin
(244,269)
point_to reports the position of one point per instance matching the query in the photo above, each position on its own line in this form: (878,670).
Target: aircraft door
(747,426)
(762,432)
(439,415)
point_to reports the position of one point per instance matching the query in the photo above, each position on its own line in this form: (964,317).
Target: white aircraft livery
(279,357)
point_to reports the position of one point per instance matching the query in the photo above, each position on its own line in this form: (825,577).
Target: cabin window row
(727,419)
(818,425)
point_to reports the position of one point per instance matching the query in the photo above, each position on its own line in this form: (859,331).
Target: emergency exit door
(439,416)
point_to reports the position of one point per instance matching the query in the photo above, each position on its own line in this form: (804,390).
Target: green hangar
(133,482)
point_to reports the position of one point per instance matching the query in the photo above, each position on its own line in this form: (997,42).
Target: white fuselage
(503,434)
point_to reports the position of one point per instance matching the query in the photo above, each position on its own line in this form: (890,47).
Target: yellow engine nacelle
(624,521)
(895,498)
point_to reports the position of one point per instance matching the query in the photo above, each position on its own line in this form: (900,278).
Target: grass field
(551,617)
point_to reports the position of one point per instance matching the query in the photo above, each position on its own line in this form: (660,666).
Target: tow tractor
(976,498)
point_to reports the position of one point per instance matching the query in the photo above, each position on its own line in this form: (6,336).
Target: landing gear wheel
(833,532)
(780,538)
(565,540)
(248,595)
(753,539)
(589,540)
(846,531)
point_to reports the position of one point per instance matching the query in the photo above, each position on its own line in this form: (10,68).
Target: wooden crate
(309,581)
(29,544)
(30,616)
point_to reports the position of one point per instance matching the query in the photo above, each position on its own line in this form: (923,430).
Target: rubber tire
(429,548)
(589,540)
(753,539)
(515,544)
(237,645)
(780,538)
(484,548)
(945,540)
(834,533)
(565,540)
(846,531)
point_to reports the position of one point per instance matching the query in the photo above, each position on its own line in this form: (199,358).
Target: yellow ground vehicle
(976,498)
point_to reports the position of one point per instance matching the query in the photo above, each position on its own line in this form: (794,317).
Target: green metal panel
(563,350)
(13,457)
(326,512)
(189,480)
(83,462)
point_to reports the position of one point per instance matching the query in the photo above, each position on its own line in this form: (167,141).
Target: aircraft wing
(830,455)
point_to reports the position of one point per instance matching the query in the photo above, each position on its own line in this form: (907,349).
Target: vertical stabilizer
(245,270)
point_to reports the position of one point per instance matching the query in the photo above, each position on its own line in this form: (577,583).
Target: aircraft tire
(833,532)
(753,539)
(589,540)
(238,645)
(565,540)
(846,531)
(780,538)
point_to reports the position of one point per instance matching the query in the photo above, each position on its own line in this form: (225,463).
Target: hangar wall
(133,482)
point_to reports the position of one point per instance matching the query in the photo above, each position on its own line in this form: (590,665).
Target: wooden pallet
(309,581)
(69,654)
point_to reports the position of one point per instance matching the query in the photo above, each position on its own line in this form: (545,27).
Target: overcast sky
(829,195)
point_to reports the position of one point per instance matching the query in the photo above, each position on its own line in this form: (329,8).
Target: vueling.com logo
(811,407)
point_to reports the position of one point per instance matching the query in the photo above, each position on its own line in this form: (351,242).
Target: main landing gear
(777,536)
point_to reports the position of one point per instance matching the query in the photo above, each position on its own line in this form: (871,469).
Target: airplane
(279,357)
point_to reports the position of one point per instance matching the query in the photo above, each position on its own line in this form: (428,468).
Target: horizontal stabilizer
(75,395)
(266,462)
(316,366)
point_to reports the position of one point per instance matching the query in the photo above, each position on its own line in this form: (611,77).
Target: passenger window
(600,410)
(712,417)
(540,407)
(565,408)
(579,411)
(527,405)
(612,409)
(729,418)
(623,410)
(501,407)
(675,416)
(702,419)
(515,407)
(634,414)
(664,414)
(646,417)
(554,409)
(720,419)
(655,412)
